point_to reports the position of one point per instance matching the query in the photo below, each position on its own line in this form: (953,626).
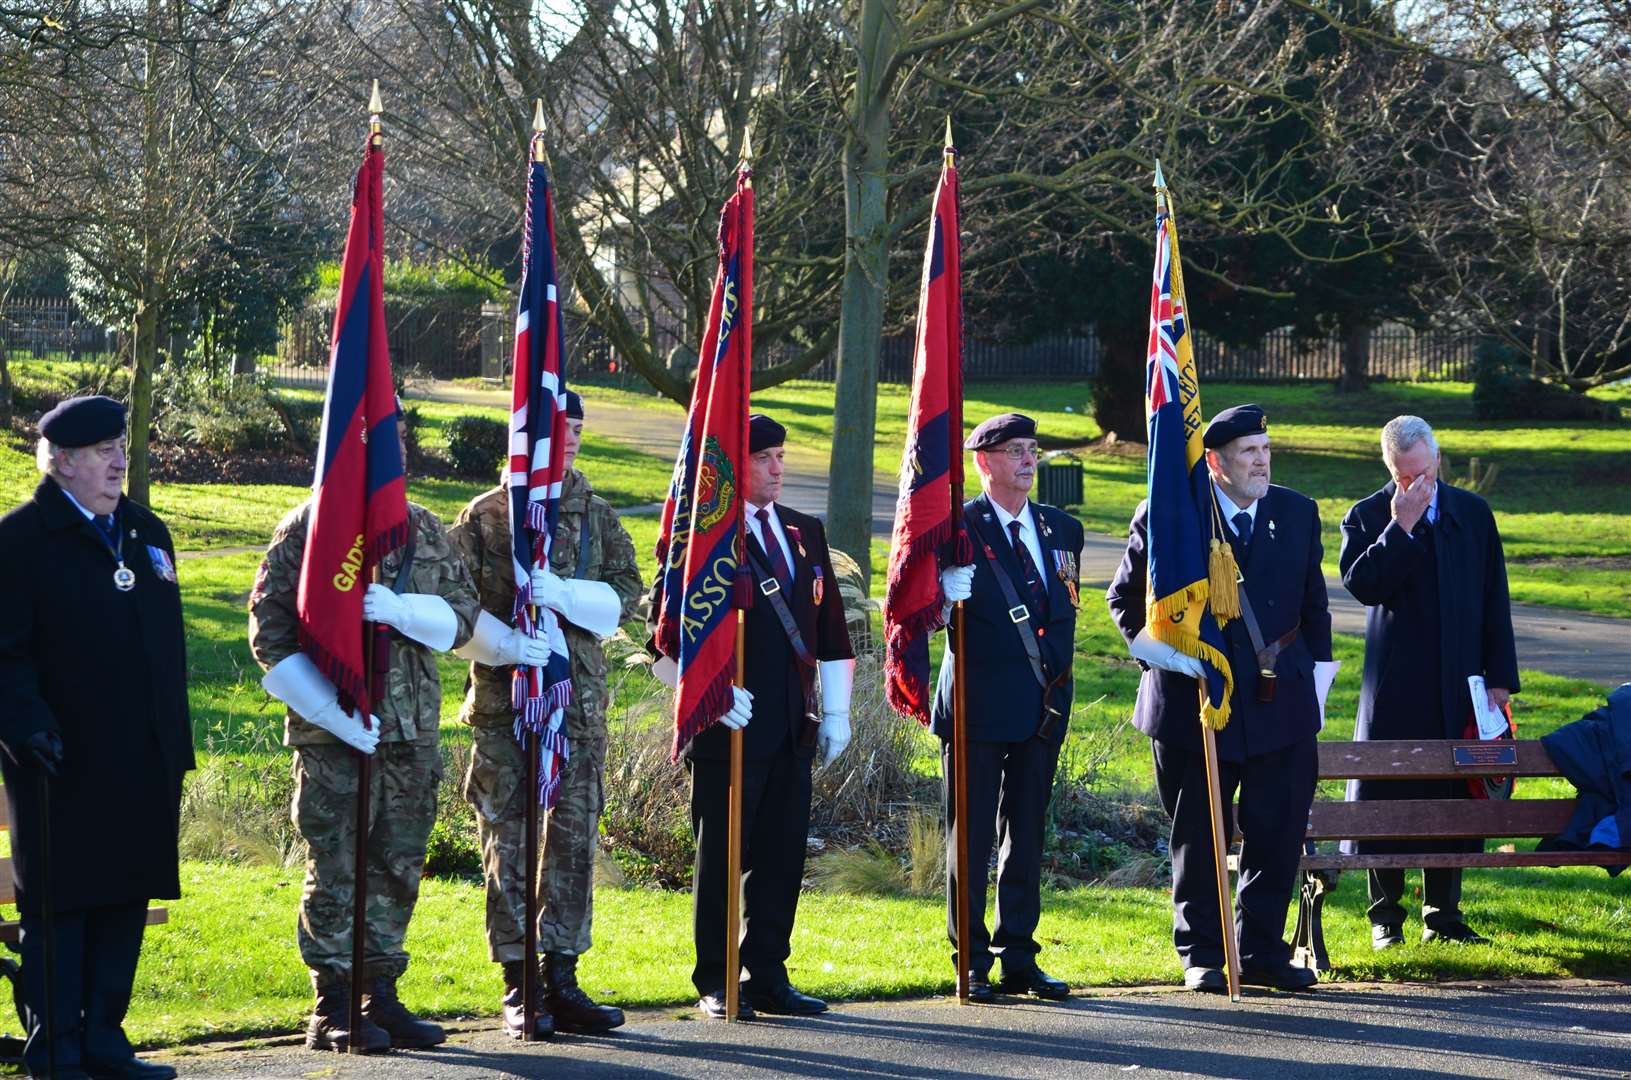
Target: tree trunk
(1356,332)
(866,279)
(1118,388)
(144,353)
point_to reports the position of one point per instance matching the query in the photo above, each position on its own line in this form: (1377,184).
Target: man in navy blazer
(1022,587)
(1267,751)
(1425,559)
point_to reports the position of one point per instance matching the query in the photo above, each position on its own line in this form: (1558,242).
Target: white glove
(424,617)
(496,645)
(957,582)
(1159,654)
(837,677)
(588,605)
(297,683)
(741,709)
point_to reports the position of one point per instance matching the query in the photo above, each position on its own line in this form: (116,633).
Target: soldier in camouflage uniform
(436,609)
(606,578)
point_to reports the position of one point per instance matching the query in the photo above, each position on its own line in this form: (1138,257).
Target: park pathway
(1554,640)
(1340,1032)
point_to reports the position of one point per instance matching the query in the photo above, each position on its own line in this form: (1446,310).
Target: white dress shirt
(775,528)
(1027,532)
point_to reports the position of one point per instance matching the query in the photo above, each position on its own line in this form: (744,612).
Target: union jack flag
(1177,607)
(537,471)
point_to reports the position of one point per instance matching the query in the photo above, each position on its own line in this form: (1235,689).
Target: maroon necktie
(1034,584)
(773,548)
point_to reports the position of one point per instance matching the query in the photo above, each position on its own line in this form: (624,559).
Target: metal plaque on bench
(1503,752)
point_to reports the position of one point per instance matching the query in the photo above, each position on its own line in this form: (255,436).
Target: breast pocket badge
(163,568)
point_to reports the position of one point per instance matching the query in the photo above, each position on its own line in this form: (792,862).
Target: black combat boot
(515,1019)
(407,1031)
(573,1010)
(331,1019)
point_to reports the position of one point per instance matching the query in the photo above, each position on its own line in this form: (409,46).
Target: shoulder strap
(583,544)
(1018,613)
(400,584)
(771,589)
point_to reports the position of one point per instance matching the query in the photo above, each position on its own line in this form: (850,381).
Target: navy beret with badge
(574,405)
(1232,424)
(83,421)
(764,433)
(999,429)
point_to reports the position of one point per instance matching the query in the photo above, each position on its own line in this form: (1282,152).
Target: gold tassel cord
(1222,573)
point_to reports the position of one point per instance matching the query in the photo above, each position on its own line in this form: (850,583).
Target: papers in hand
(1491,722)
(1325,673)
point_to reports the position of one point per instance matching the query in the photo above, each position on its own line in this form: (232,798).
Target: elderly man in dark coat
(1268,750)
(94,722)
(1425,559)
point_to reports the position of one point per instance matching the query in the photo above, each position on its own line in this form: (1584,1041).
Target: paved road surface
(1399,1033)
(1549,639)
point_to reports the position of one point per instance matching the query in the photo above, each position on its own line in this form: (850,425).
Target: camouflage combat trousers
(404,778)
(570,834)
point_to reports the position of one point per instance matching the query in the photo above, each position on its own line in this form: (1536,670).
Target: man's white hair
(45,456)
(1403,432)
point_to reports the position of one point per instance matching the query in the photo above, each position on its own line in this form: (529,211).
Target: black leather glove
(46,747)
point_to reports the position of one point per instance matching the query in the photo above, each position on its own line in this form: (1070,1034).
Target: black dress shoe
(1205,980)
(1286,976)
(1386,935)
(1459,933)
(132,1069)
(979,989)
(1036,982)
(713,1006)
(786,1001)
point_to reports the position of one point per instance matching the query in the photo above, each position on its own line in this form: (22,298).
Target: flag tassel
(1222,574)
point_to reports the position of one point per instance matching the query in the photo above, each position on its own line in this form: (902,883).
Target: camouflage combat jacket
(481,533)
(410,708)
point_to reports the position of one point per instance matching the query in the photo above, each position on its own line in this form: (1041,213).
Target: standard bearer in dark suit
(1425,559)
(1267,751)
(799,668)
(93,709)
(1020,618)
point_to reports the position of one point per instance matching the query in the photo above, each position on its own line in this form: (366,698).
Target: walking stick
(1220,850)
(529,969)
(48,908)
(359,863)
(733,850)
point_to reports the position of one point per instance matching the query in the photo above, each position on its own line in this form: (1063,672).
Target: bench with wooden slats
(1428,820)
(10,929)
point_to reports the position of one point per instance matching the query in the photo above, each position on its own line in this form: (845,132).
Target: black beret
(574,405)
(764,433)
(1231,424)
(83,421)
(999,429)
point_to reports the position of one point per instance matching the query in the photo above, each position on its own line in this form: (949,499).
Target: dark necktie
(1033,576)
(1243,529)
(773,548)
(104,524)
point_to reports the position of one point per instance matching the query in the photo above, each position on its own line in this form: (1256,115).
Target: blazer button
(1271,603)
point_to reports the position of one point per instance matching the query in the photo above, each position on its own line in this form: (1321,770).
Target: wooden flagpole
(529,945)
(365,762)
(733,832)
(959,725)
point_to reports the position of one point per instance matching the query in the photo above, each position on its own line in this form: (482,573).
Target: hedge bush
(477,445)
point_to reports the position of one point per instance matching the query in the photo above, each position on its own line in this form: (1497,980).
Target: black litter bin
(1059,481)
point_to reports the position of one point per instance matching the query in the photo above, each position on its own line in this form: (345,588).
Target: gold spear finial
(950,151)
(1162,194)
(538,129)
(747,146)
(375,107)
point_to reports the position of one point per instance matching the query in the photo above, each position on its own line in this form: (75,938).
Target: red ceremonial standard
(359,503)
(700,547)
(929,530)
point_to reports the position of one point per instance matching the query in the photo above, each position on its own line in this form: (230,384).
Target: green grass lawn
(227,963)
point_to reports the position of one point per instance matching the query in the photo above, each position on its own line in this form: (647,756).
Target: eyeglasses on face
(1017,451)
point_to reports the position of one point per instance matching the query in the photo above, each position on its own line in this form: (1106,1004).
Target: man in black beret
(1021,597)
(1267,751)
(97,738)
(798,670)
